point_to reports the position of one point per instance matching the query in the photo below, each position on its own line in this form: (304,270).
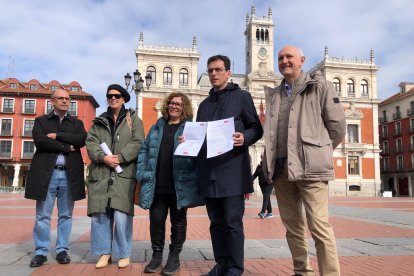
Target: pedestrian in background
(266,188)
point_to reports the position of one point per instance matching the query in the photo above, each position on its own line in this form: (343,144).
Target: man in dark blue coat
(225,179)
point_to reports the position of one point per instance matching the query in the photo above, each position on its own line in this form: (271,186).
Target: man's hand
(52,136)
(238,139)
(181,139)
(111,160)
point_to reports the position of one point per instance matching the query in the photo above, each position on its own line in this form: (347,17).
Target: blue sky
(93,42)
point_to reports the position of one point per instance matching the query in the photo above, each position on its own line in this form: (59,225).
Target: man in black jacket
(225,179)
(56,172)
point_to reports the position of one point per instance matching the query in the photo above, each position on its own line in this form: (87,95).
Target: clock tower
(259,50)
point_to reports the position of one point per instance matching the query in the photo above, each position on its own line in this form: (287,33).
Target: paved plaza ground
(375,236)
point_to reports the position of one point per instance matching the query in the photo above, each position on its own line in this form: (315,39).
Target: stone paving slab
(370,241)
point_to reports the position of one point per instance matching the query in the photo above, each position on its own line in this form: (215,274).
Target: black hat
(122,90)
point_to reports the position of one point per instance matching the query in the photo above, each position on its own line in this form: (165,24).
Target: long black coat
(70,132)
(228,174)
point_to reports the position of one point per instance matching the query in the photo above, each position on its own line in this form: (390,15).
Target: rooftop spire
(372,56)
(141,38)
(194,43)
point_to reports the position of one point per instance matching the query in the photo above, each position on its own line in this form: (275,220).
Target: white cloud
(93,42)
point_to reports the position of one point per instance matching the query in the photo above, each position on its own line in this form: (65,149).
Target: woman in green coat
(112,178)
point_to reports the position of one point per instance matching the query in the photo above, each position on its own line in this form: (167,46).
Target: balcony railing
(28,111)
(27,155)
(383,120)
(399,149)
(396,115)
(5,132)
(410,112)
(7,110)
(354,147)
(399,168)
(27,134)
(5,155)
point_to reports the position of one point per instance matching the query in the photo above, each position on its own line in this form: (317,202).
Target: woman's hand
(111,160)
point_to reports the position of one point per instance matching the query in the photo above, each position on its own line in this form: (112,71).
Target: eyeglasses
(175,104)
(110,96)
(61,99)
(218,70)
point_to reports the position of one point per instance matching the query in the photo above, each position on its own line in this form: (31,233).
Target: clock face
(262,52)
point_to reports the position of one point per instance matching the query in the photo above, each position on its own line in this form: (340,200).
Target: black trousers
(158,216)
(267,204)
(226,230)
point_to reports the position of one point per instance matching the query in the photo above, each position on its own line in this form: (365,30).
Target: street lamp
(139,84)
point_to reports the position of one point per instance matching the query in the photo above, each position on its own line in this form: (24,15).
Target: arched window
(364,88)
(183,77)
(266,35)
(257,34)
(151,70)
(350,88)
(337,84)
(167,75)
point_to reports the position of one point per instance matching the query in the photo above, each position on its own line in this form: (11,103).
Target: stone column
(16,175)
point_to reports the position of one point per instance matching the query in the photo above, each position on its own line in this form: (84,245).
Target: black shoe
(63,257)
(217,270)
(154,265)
(38,260)
(172,265)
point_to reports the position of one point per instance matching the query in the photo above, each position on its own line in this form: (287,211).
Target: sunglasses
(110,96)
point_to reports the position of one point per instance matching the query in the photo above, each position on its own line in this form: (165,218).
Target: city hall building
(357,158)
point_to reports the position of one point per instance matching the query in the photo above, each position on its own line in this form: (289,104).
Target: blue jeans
(111,234)
(58,188)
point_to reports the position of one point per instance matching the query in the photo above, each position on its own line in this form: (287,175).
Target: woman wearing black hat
(111,190)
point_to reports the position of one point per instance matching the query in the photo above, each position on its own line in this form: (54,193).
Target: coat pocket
(318,156)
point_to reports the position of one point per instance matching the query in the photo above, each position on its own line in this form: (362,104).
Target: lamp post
(139,84)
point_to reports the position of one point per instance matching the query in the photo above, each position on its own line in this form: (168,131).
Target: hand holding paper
(194,133)
(220,137)
(107,151)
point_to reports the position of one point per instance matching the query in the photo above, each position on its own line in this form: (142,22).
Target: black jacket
(228,174)
(260,174)
(70,132)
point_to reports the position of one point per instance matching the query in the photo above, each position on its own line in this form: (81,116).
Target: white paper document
(194,133)
(107,151)
(220,137)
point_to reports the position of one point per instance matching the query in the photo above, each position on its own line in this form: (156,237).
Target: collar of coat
(303,80)
(216,94)
(52,115)
(162,121)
